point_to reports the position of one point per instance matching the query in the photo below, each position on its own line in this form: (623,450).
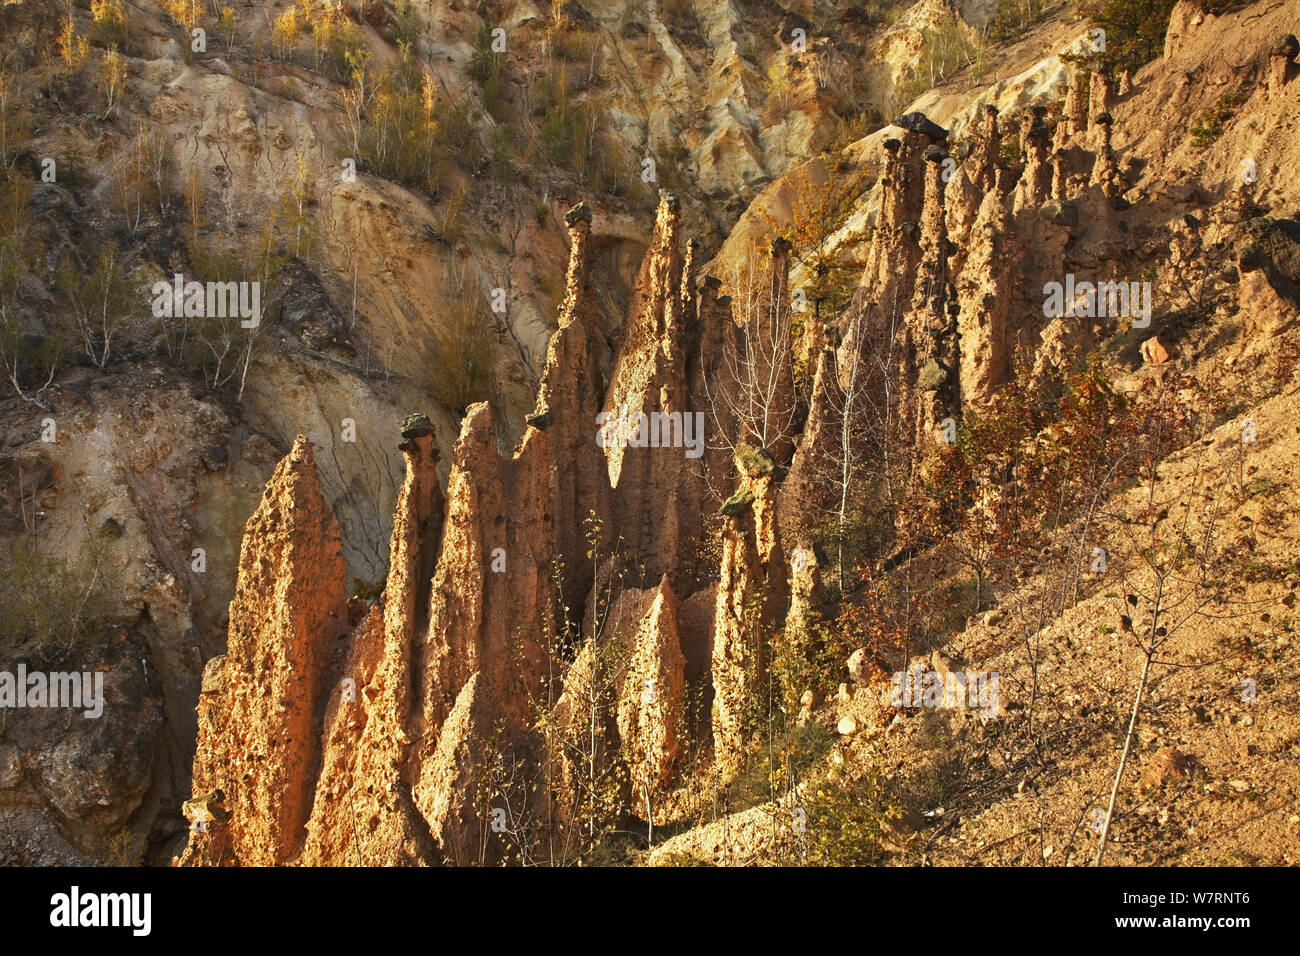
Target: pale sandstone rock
(859,669)
(452,793)
(259,740)
(363,811)
(1281,63)
(651,705)
(1153,352)
(650,377)
(739,666)
(805,589)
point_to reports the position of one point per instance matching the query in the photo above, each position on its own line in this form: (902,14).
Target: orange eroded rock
(260,735)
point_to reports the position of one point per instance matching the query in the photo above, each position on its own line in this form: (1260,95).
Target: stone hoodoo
(342,733)
(1060,172)
(752,598)
(568,403)
(1074,119)
(1035,185)
(1030,117)
(712,344)
(894,253)
(417,532)
(930,351)
(986,297)
(389,733)
(452,779)
(492,598)
(805,588)
(370,718)
(1099,100)
(651,706)
(971,182)
(651,357)
(1105,172)
(259,716)
(1281,63)
(988,151)
(739,663)
(654,436)
(876,317)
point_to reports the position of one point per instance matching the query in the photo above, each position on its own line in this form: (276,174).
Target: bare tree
(1170,587)
(14,122)
(853,442)
(757,390)
(21,354)
(17,356)
(100,302)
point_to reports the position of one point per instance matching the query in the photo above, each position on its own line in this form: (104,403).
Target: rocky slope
(987,205)
(571,633)
(161,453)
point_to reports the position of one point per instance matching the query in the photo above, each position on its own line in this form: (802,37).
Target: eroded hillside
(729,408)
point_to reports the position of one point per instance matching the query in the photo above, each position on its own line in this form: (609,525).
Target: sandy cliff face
(717,95)
(464,663)
(362,731)
(412,701)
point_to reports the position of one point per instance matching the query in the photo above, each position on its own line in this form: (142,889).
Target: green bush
(574,136)
(1012,18)
(411,126)
(789,756)
(406,24)
(1135,32)
(881,13)
(337,43)
(1210,126)
(483,61)
(948,48)
(462,366)
(1009,151)
(848,130)
(668,166)
(100,299)
(808,659)
(503,152)
(47,607)
(29,360)
(487,67)
(567,41)
(847,814)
